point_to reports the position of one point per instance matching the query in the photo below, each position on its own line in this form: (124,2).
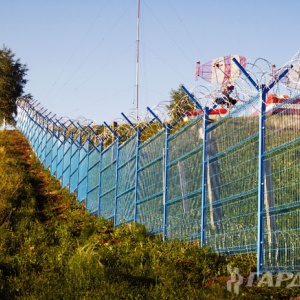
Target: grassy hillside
(51,248)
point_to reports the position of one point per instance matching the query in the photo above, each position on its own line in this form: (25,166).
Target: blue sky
(81,54)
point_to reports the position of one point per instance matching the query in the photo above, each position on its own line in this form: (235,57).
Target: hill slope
(51,248)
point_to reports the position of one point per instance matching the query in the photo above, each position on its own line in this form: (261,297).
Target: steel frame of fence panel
(137,161)
(100,179)
(261,180)
(204,178)
(263,89)
(117,181)
(166,178)
(281,216)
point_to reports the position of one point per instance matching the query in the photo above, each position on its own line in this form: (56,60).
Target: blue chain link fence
(232,184)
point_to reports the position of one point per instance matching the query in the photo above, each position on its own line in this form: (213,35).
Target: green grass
(52,248)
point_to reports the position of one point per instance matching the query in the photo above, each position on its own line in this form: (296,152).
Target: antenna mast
(137,62)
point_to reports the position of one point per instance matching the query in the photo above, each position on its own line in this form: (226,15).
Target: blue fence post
(100,178)
(87,174)
(137,159)
(166,177)
(204,177)
(71,137)
(117,179)
(261,181)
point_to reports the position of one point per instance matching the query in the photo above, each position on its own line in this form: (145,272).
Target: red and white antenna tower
(137,62)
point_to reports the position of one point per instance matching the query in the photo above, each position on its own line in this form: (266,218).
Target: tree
(12,83)
(179,104)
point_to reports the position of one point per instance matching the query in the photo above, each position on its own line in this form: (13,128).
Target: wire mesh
(93,180)
(74,167)
(232,167)
(48,153)
(66,163)
(108,182)
(151,182)
(54,155)
(282,214)
(184,182)
(59,161)
(126,174)
(82,172)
